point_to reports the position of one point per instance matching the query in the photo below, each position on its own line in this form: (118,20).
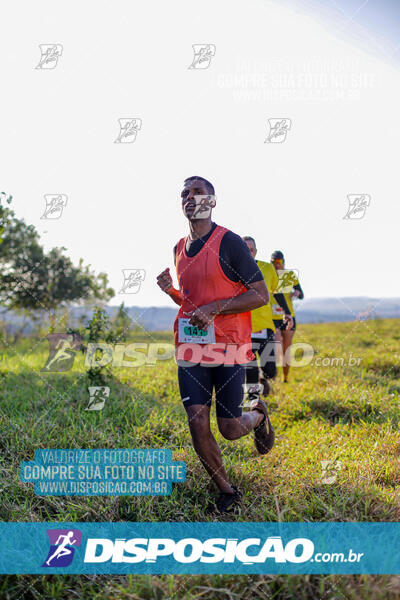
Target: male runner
(219,283)
(263,328)
(291,290)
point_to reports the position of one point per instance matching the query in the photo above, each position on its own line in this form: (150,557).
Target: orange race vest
(201,281)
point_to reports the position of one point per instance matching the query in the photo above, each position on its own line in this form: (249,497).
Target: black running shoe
(266,386)
(229,502)
(264,435)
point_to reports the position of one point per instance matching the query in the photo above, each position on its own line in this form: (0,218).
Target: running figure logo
(251,391)
(330,470)
(62,547)
(63,347)
(287,279)
(128,129)
(357,205)
(203,54)
(50,53)
(55,203)
(133,279)
(98,396)
(204,204)
(278,129)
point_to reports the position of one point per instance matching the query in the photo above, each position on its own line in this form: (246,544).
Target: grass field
(340,412)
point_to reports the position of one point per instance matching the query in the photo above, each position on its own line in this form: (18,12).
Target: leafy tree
(32,279)
(99,330)
(121,323)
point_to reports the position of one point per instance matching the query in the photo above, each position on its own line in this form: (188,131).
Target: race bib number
(259,335)
(190,334)
(277,310)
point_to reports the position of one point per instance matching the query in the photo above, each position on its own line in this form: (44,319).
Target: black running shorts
(265,349)
(280,324)
(197,382)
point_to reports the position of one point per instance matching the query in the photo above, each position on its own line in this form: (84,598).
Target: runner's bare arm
(280,298)
(164,281)
(297,292)
(257,295)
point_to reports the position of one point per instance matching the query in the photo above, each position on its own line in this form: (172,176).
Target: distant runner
(263,328)
(283,334)
(219,283)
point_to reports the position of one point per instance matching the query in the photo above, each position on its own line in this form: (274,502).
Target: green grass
(341,413)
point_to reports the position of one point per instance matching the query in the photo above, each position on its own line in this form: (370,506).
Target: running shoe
(267,388)
(229,502)
(264,435)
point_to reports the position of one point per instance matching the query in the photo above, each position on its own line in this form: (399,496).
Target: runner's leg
(232,423)
(287,337)
(268,355)
(196,387)
(252,368)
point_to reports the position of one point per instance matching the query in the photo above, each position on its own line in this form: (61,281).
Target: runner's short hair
(277,255)
(248,238)
(208,184)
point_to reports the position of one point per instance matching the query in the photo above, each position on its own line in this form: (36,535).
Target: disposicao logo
(62,547)
(190,550)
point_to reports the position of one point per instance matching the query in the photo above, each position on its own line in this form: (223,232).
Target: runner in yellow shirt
(263,328)
(291,288)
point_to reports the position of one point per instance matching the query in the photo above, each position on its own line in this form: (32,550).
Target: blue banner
(103,472)
(195,548)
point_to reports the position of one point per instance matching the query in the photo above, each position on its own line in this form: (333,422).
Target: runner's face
(190,191)
(251,246)
(279,264)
